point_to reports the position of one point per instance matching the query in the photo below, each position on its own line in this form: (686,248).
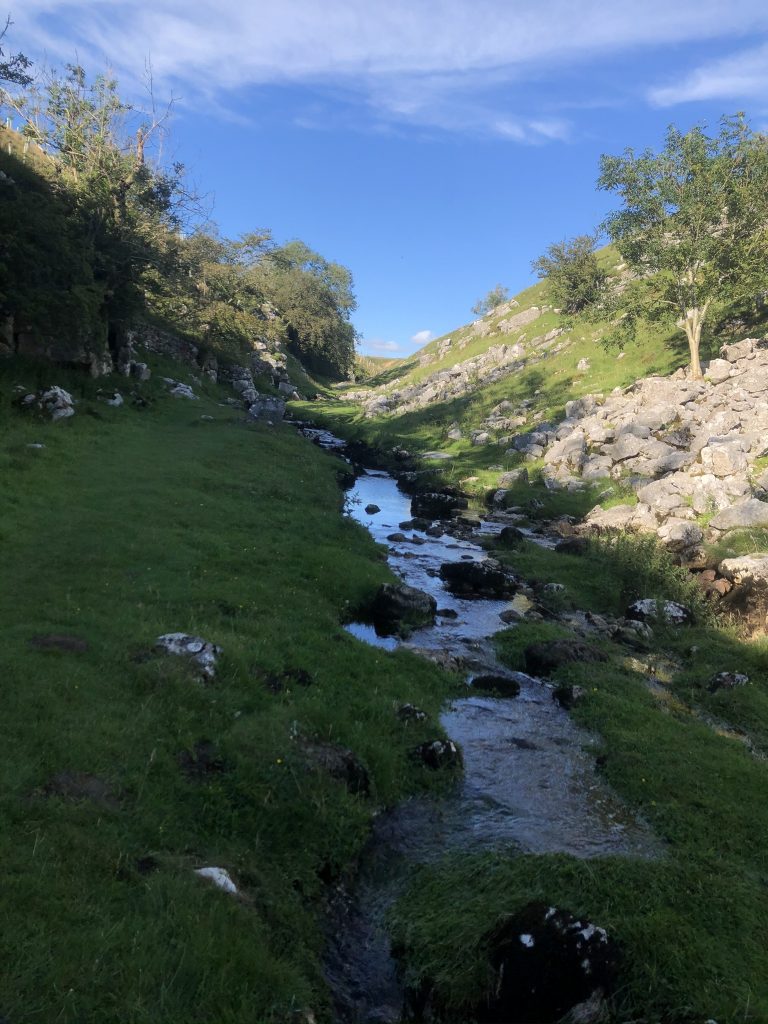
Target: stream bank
(529,783)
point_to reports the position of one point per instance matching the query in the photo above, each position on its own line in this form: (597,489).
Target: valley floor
(122,772)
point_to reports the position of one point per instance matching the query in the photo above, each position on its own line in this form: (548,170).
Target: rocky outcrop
(686,447)
(467,375)
(53,403)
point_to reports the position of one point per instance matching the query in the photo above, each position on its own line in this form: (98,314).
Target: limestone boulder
(202,654)
(750,514)
(723,457)
(718,370)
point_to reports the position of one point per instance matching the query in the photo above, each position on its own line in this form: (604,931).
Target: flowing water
(529,782)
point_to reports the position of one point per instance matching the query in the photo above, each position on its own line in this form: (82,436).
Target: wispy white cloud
(742,75)
(388,347)
(422,337)
(435,63)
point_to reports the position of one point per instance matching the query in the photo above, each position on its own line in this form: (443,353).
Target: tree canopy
(576,279)
(692,228)
(129,242)
(14,68)
(495,298)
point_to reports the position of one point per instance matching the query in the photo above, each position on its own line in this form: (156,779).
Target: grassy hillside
(121,772)
(687,755)
(548,380)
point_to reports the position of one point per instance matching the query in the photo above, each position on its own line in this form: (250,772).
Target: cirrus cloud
(439,64)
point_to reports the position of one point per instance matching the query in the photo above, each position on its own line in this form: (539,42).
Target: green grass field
(131,523)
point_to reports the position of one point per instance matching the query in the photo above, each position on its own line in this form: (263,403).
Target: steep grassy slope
(130,523)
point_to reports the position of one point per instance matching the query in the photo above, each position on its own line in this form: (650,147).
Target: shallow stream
(529,782)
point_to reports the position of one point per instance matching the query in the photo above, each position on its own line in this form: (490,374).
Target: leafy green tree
(692,229)
(316,300)
(98,152)
(495,298)
(14,68)
(575,277)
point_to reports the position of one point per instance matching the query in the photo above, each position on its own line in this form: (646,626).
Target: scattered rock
(501,686)
(546,962)
(727,681)
(572,546)
(478,579)
(202,653)
(267,408)
(180,390)
(438,754)
(750,514)
(55,402)
(436,505)
(650,610)
(220,877)
(510,537)
(410,713)
(568,696)
(398,609)
(371,510)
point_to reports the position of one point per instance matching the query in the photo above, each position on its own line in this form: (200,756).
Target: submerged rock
(433,505)
(478,579)
(501,686)
(398,609)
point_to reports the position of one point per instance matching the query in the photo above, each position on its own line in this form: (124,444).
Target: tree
(98,150)
(575,277)
(14,68)
(315,298)
(495,297)
(693,228)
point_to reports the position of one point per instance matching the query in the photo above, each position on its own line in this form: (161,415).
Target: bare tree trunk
(694,320)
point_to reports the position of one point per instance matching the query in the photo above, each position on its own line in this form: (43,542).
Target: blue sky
(435,148)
